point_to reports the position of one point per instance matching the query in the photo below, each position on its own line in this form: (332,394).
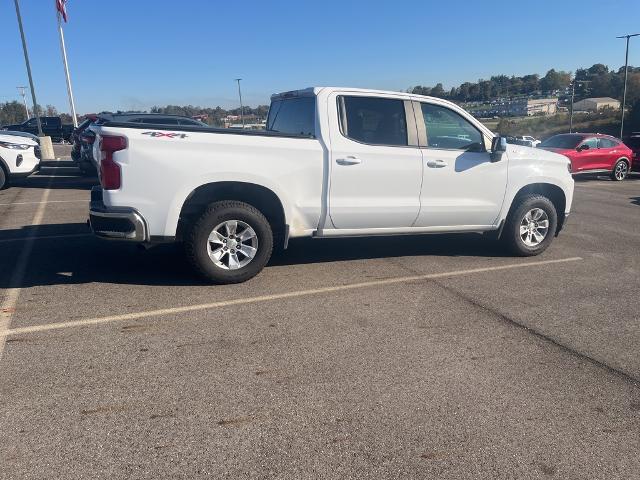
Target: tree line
(13,112)
(595,81)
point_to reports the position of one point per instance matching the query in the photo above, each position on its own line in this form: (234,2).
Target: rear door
(375,163)
(608,153)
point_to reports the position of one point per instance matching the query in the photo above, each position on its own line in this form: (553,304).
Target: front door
(587,155)
(461,186)
(375,171)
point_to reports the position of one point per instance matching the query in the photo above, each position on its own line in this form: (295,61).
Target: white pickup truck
(332,162)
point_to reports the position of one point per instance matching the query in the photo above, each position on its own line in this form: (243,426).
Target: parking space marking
(38,203)
(11,297)
(277,296)
(45,237)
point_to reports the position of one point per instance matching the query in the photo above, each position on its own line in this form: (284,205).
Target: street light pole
(626,72)
(241,108)
(24,100)
(26,60)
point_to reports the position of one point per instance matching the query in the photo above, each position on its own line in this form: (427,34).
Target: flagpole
(66,70)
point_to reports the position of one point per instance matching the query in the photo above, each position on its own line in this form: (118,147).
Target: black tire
(3,178)
(511,234)
(196,241)
(620,170)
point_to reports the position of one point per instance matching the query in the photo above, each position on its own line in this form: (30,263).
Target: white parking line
(45,237)
(268,298)
(11,297)
(38,203)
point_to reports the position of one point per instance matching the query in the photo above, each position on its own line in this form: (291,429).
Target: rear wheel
(620,171)
(230,242)
(3,178)
(530,226)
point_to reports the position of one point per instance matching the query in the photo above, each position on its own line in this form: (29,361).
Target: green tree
(11,113)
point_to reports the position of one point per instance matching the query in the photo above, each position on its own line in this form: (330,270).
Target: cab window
(449,130)
(374,120)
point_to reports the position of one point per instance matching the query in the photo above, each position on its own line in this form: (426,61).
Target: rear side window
(606,143)
(374,120)
(295,116)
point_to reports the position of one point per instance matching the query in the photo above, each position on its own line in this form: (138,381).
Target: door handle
(350,160)
(436,163)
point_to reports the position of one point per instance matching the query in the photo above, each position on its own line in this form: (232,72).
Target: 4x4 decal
(165,134)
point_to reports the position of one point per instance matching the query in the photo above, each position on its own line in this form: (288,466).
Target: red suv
(592,153)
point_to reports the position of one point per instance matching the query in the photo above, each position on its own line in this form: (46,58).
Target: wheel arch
(260,197)
(551,191)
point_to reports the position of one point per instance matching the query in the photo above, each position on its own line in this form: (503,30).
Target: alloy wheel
(621,170)
(232,245)
(534,227)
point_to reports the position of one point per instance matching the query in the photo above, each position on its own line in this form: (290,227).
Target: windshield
(562,141)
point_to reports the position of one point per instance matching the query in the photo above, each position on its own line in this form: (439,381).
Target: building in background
(516,107)
(596,104)
(527,107)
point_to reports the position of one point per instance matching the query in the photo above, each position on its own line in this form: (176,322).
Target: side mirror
(583,147)
(498,147)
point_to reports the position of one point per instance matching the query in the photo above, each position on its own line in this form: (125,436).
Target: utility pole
(626,72)
(26,60)
(24,100)
(241,107)
(573,94)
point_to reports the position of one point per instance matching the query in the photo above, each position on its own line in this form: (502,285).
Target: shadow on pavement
(635,200)
(67,178)
(86,259)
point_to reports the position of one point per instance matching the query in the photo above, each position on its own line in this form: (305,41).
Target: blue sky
(127,54)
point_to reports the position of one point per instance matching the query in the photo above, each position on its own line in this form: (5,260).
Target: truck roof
(312,91)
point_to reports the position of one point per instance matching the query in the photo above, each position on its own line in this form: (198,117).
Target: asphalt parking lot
(406,357)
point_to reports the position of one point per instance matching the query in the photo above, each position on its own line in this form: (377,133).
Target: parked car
(331,163)
(530,141)
(75,136)
(19,157)
(592,153)
(51,127)
(33,137)
(633,142)
(86,161)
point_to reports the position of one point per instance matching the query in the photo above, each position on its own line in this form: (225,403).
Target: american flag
(61,6)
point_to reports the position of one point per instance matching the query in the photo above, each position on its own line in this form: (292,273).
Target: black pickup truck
(51,127)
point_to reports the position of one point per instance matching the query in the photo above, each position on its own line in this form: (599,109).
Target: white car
(19,156)
(332,162)
(530,141)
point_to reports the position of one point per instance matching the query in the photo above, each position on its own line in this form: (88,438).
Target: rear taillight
(110,177)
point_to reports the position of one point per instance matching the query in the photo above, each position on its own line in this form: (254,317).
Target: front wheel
(230,242)
(3,178)
(531,226)
(620,171)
